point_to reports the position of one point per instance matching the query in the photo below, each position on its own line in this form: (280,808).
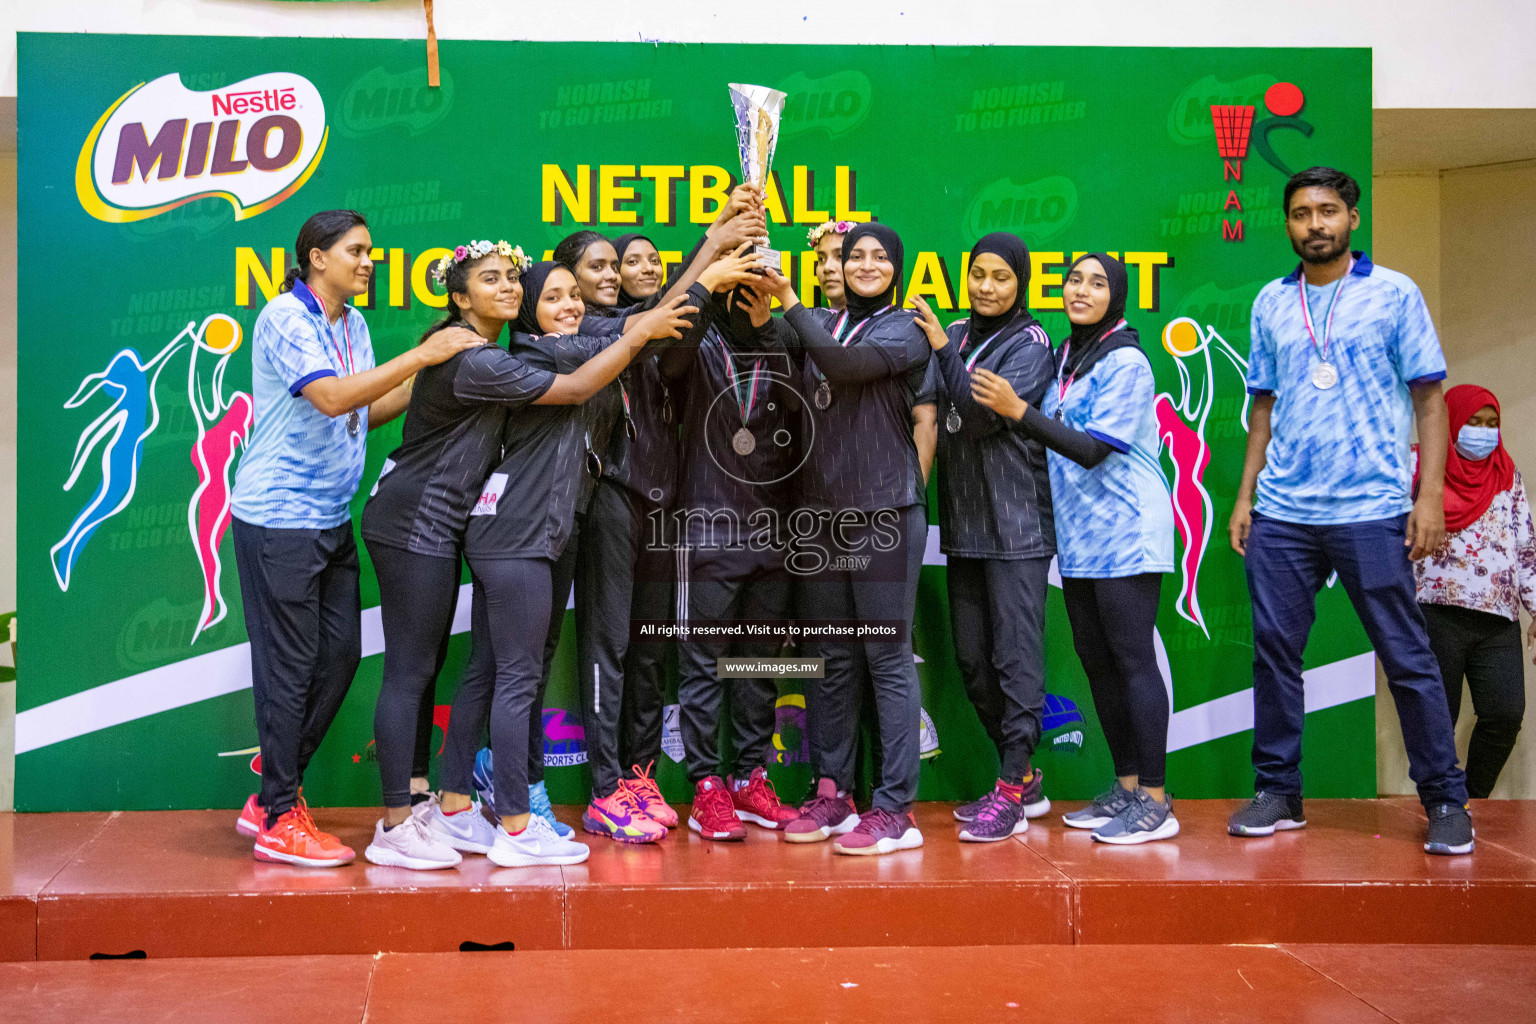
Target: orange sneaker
(252,817)
(648,795)
(296,839)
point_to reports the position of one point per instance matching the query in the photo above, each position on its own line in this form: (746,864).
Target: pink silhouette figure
(1190,456)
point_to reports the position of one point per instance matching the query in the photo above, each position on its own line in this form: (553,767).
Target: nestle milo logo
(156,634)
(379,100)
(835,103)
(1038,210)
(1226,309)
(1189,119)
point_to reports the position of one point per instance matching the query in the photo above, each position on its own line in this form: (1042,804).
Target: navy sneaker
(1450,830)
(1266,814)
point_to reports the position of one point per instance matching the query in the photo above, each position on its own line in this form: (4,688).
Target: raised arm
(336,396)
(668,320)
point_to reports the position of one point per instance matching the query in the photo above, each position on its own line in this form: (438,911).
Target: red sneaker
(296,839)
(755,801)
(252,817)
(648,795)
(713,815)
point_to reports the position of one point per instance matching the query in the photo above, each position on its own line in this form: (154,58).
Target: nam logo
(835,103)
(1189,119)
(162,145)
(1038,210)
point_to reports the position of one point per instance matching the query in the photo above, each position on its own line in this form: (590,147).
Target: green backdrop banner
(173,172)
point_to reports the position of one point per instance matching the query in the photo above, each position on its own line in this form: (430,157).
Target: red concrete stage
(1209,984)
(182,884)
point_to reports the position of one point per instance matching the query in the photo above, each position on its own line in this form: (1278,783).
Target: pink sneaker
(253,817)
(648,795)
(619,817)
(880,832)
(758,803)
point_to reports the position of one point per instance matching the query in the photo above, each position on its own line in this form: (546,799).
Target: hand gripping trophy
(758,109)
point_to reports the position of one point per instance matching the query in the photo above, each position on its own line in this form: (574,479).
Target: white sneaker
(537,844)
(410,845)
(466,830)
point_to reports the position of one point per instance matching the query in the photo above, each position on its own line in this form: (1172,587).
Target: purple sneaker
(1035,802)
(998,818)
(880,832)
(826,814)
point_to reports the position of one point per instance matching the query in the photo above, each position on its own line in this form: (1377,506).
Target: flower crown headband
(477,250)
(817,233)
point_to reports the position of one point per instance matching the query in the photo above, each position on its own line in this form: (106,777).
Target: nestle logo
(254,101)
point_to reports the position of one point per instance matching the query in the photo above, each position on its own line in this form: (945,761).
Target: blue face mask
(1477,442)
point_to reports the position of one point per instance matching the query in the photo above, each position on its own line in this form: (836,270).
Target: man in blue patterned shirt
(1343,359)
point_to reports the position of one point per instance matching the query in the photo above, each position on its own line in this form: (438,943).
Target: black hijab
(619,245)
(533,286)
(1087,347)
(1010,248)
(860,307)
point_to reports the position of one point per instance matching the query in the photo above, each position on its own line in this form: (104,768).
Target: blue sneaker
(538,803)
(482,779)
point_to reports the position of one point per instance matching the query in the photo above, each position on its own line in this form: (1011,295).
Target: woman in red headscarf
(1471,589)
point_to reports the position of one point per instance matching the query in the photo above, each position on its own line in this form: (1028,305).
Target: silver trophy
(758,109)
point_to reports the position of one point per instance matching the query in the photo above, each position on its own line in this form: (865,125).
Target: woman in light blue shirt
(317,393)
(1114,537)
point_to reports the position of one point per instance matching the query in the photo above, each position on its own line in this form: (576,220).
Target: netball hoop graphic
(1181,425)
(121,430)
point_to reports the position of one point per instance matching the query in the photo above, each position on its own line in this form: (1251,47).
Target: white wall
(1474,53)
(1465,236)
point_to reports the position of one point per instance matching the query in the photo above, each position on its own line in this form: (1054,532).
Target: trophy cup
(758,109)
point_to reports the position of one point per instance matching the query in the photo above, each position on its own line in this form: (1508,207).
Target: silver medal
(354,423)
(744,442)
(823,395)
(952,421)
(1324,376)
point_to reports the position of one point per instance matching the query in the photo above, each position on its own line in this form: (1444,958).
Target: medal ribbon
(745,406)
(837,329)
(1066,350)
(970,364)
(1333,304)
(346,362)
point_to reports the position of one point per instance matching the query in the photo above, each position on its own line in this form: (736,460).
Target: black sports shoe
(1450,830)
(1266,814)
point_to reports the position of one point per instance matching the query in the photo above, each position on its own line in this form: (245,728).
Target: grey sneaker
(1266,814)
(1104,809)
(1450,830)
(1142,821)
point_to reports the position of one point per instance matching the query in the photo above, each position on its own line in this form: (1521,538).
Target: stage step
(182,884)
(1275,984)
